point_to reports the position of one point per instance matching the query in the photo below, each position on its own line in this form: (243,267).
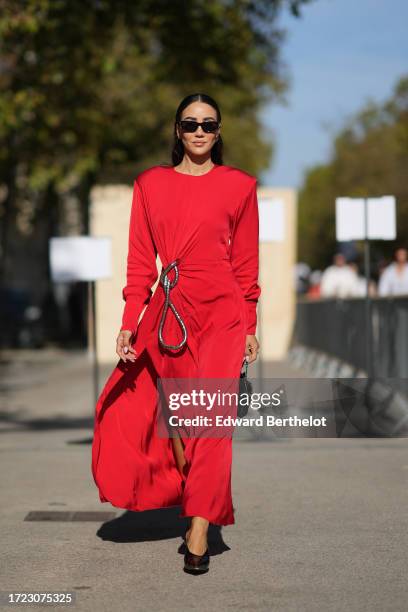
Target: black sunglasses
(188,125)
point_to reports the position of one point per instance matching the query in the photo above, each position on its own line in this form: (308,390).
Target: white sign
(381,218)
(271,219)
(80,258)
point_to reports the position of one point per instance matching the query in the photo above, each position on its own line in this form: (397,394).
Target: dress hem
(182,514)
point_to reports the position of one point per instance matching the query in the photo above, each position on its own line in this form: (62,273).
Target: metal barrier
(334,338)
(338,328)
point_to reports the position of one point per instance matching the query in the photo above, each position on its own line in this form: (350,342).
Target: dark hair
(177,152)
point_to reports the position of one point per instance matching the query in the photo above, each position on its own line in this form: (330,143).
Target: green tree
(369,158)
(89,90)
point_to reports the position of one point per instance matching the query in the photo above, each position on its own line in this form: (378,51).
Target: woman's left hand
(251,348)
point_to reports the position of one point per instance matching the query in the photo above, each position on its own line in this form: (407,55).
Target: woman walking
(201,217)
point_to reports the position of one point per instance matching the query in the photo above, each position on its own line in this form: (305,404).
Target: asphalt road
(321,524)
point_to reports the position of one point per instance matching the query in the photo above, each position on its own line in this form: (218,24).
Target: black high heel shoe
(196,564)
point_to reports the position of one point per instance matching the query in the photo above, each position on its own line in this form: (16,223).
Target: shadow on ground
(153,525)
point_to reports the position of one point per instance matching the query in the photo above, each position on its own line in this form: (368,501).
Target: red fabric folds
(209,223)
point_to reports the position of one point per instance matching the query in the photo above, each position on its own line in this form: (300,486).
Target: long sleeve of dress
(244,253)
(142,270)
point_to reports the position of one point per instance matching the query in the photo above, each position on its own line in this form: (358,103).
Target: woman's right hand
(123,347)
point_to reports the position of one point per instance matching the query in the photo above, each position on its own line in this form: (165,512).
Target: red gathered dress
(209,223)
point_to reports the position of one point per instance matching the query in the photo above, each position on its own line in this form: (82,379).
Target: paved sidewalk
(321,524)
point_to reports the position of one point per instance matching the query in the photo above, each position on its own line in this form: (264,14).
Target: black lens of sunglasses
(191,126)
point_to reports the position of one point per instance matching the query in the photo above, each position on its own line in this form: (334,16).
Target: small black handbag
(244,393)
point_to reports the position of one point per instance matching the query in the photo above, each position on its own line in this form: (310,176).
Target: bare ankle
(199,524)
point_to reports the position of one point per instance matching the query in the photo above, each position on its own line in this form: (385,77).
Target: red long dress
(209,223)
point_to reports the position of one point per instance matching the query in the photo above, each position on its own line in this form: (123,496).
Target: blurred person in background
(314,284)
(339,280)
(360,288)
(394,278)
(302,271)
